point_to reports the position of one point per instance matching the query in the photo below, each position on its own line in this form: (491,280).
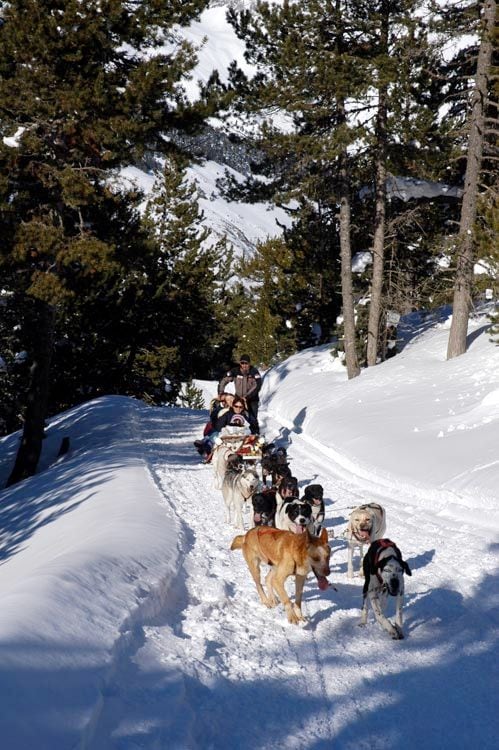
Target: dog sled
(247,447)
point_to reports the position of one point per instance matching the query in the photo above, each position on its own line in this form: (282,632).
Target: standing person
(247,381)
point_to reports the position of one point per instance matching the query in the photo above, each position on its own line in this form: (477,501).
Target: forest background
(372,125)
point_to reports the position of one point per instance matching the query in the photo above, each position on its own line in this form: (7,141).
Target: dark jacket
(216,410)
(247,386)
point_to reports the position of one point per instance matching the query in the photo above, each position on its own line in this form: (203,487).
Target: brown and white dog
(384,571)
(366,524)
(288,554)
(238,486)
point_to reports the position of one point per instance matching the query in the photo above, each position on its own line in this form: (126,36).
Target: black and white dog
(384,570)
(314,495)
(295,515)
(264,508)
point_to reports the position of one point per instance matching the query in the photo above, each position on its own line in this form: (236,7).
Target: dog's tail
(237,542)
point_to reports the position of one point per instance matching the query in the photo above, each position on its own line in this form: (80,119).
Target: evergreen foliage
(192,397)
(311,58)
(185,276)
(79,98)
(264,334)
(346,93)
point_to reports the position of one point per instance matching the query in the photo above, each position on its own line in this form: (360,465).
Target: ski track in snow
(295,687)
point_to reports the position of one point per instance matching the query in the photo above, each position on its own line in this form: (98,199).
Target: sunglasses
(238,406)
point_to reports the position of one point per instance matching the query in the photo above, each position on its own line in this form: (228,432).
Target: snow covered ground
(127,623)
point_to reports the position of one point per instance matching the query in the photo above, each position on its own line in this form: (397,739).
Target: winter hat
(230,388)
(245,358)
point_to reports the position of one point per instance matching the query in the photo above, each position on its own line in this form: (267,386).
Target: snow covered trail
(216,665)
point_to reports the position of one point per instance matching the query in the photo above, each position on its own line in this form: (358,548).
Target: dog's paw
(266,602)
(294,614)
(299,614)
(397,633)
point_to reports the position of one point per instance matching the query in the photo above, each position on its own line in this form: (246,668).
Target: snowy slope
(242,224)
(127,623)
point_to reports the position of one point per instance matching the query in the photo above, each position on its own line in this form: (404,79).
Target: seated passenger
(237,416)
(218,407)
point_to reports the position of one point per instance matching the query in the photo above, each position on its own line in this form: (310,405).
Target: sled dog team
(288,536)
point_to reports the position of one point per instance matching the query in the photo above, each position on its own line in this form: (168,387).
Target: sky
(127,622)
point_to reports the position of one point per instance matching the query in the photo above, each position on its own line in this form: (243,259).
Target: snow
(14,141)
(127,623)
(243,225)
(217,47)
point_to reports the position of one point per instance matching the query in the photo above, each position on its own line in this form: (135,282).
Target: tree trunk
(464,271)
(375,305)
(36,407)
(352,363)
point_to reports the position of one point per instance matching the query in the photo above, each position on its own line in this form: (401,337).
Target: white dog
(384,571)
(366,524)
(238,486)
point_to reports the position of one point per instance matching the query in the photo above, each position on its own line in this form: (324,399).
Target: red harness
(266,530)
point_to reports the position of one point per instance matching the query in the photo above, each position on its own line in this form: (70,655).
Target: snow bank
(88,549)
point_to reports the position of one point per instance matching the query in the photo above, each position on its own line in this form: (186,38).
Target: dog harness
(383,544)
(377,564)
(265,530)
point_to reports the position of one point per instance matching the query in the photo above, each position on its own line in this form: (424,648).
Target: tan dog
(366,524)
(288,554)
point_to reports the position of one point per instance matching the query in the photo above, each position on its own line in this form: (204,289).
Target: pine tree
(186,277)
(79,99)
(319,62)
(268,330)
(305,58)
